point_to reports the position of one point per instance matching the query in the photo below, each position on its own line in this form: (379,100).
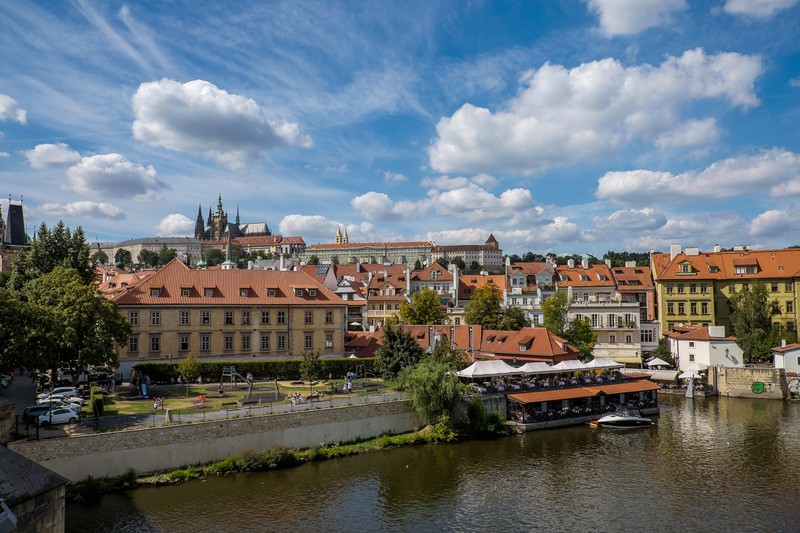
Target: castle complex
(216,226)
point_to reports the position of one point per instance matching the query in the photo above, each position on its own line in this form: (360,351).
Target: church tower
(199,225)
(338,238)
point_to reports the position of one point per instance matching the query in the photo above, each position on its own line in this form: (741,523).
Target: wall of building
(738,382)
(173,446)
(42,514)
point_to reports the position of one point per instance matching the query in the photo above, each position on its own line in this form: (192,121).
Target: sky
(558,126)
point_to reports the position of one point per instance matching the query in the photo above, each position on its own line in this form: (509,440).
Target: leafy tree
(215,256)
(313,260)
(514,258)
(417,265)
(432,388)
(165,255)
(444,262)
(485,307)
(460,264)
(123,256)
(530,257)
(99,257)
(444,353)
(425,308)
(147,258)
(189,369)
(752,322)
(310,366)
(474,267)
(554,310)
(89,325)
(619,259)
(28,332)
(663,353)
(52,248)
(514,319)
(581,335)
(398,350)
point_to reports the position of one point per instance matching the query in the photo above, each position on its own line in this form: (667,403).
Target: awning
(641,385)
(569,365)
(482,369)
(657,362)
(603,362)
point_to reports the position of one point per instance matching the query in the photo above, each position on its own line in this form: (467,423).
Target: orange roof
(698,333)
(585,277)
(425,273)
(533,268)
(266,240)
(632,278)
(166,286)
(584,392)
(771,264)
(787,348)
(329,246)
(468,283)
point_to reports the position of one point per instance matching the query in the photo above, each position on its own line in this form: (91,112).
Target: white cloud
(313,228)
(757,8)
(564,116)
(458,236)
(795,82)
(393,177)
(9,110)
(51,155)
(199,118)
(4,154)
(690,134)
(634,220)
(773,223)
(724,179)
(111,175)
(379,206)
(485,180)
(175,224)
(84,209)
(692,229)
(629,17)
(445,183)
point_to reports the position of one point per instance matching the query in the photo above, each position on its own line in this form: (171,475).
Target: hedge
(282,369)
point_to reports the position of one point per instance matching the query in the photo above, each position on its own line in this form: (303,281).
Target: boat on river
(622,418)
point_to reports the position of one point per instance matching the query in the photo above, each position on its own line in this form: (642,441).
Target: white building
(787,357)
(705,345)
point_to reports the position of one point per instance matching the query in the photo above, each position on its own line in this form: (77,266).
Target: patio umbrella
(656,362)
(689,375)
(696,367)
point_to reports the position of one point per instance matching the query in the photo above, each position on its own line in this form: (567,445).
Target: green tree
(310,366)
(425,308)
(432,388)
(444,353)
(443,262)
(189,369)
(28,332)
(460,264)
(474,267)
(751,318)
(99,257)
(147,258)
(90,326)
(165,255)
(123,256)
(663,353)
(514,319)
(485,307)
(215,256)
(581,335)
(52,248)
(313,260)
(554,310)
(398,350)
(417,265)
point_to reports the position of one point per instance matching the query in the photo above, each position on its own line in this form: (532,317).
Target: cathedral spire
(219,204)
(199,224)
(237,215)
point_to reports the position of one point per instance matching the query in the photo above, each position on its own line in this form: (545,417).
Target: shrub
(444,431)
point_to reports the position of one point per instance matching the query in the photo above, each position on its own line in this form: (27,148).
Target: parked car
(55,404)
(59,397)
(32,413)
(58,416)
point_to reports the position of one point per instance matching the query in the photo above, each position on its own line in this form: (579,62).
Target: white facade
(617,325)
(714,350)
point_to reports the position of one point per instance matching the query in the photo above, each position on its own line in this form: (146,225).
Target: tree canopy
(554,310)
(310,366)
(425,308)
(486,309)
(432,388)
(52,248)
(99,257)
(215,256)
(123,256)
(581,335)
(751,318)
(398,350)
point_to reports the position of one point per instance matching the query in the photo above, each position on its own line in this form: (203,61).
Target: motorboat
(622,418)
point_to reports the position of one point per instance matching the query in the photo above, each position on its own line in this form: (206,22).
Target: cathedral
(216,227)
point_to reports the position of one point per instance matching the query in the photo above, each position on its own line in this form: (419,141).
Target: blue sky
(577,126)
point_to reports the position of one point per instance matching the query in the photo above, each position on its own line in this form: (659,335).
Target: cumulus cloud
(794,82)
(772,223)
(690,134)
(458,236)
(724,179)
(84,209)
(379,206)
(393,177)
(51,155)
(634,220)
(199,118)
(757,8)
(9,110)
(4,154)
(629,17)
(111,175)
(313,228)
(695,229)
(564,116)
(175,224)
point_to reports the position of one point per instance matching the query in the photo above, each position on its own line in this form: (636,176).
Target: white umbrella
(482,369)
(657,362)
(689,375)
(602,362)
(696,367)
(569,365)
(537,368)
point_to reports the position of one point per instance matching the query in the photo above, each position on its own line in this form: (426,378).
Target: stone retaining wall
(173,446)
(739,382)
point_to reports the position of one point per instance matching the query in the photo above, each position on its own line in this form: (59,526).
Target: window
(244,293)
(265,342)
(329,317)
(681,308)
(731,288)
(155,318)
(693,308)
(704,288)
(646,335)
(630,319)
(133,318)
(628,339)
(790,307)
(774,286)
(205,343)
(155,292)
(186,292)
(309,317)
(281,342)
(612,339)
(245,342)
(309,342)
(133,343)
(245,317)
(229,342)
(208,292)
(228,317)
(788,287)
(329,340)
(691,357)
(184,318)
(183,343)
(693,288)
(523,347)
(691,344)
(298,292)
(612,321)
(155,344)
(312,292)
(206,317)
(680,288)
(704,308)
(281,317)
(597,321)
(686,268)
(670,308)
(271,292)
(434,274)
(265,317)
(669,289)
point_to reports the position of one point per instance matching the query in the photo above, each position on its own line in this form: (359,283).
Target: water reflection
(708,464)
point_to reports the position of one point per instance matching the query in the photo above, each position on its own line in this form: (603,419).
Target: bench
(370,387)
(229,406)
(248,403)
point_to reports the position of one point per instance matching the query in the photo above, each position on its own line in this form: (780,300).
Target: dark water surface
(709,465)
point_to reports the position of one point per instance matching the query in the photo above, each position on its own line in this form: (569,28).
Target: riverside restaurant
(541,396)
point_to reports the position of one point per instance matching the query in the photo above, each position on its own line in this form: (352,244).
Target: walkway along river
(710,464)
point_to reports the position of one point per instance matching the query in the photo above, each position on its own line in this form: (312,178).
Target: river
(716,464)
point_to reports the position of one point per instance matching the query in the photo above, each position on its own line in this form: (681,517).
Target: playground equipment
(230,373)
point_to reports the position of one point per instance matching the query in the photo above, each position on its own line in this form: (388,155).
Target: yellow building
(694,287)
(236,313)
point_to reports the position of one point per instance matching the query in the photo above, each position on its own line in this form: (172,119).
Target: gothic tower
(199,225)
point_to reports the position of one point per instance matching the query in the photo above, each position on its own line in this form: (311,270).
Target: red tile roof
(592,275)
(328,246)
(770,264)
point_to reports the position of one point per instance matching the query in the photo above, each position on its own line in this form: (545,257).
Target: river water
(716,464)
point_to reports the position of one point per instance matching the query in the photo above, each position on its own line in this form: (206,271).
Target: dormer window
(312,292)
(298,292)
(155,291)
(208,292)
(271,292)
(602,277)
(186,291)
(584,277)
(523,347)
(112,285)
(244,292)
(434,274)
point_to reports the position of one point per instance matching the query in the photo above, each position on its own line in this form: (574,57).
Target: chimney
(717,248)
(674,251)
(608,263)
(571,263)
(783,343)
(585,264)
(630,264)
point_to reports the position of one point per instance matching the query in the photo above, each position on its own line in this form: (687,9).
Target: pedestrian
(349,387)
